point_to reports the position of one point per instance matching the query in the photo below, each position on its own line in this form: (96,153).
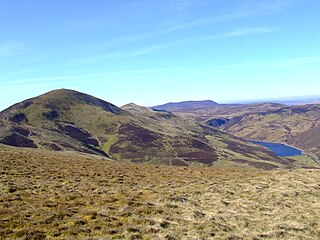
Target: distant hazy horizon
(289,100)
(153,52)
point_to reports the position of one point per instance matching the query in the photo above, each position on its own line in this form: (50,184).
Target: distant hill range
(298,125)
(67,120)
(180,106)
(295,100)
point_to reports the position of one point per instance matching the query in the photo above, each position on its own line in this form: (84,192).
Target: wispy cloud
(240,32)
(83,77)
(18,73)
(270,64)
(249,31)
(181,5)
(294,62)
(120,54)
(20,86)
(9,49)
(255,10)
(267,8)
(176,72)
(174,27)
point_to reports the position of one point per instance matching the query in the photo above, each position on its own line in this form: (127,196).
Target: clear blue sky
(152,52)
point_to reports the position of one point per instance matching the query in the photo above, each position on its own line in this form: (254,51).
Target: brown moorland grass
(47,195)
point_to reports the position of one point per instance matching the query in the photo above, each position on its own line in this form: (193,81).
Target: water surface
(281,150)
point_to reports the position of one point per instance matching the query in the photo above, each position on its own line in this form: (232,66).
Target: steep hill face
(296,125)
(308,140)
(68,120)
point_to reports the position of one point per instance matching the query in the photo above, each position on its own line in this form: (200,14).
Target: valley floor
(45,195)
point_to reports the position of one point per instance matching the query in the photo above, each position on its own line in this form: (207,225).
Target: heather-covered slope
(58,120)
(295,125)
(68,120)
(271,122)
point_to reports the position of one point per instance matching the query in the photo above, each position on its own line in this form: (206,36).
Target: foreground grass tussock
(45,195)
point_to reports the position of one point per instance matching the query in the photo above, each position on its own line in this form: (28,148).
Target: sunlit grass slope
(48,195)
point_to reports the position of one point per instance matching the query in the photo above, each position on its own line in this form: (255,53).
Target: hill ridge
(67,120)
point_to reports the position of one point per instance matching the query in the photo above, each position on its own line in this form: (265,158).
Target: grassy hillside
(66,120)
(295,125)
(51,195)
(308,140)
(271,127)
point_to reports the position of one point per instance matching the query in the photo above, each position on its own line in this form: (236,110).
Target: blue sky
(152,52)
